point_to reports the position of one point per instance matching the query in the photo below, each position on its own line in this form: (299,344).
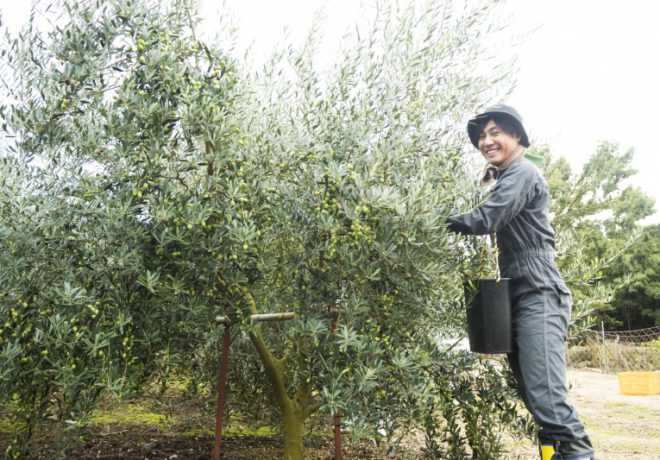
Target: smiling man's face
(497,145)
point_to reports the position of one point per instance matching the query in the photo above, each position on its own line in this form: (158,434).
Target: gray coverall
(517,211)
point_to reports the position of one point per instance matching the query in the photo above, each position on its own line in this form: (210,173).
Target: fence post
(602,329)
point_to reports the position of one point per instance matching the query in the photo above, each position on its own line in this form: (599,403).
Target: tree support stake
(333,313)
(224,360)
(220,408)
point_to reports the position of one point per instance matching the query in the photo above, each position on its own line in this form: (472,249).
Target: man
(517,211)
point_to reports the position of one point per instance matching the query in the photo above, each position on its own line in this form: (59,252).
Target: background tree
(159,184)
(636,300)
(596,216)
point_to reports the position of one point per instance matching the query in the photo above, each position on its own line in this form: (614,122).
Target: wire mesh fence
(616,351)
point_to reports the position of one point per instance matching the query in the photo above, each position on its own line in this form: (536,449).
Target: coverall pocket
(566,305)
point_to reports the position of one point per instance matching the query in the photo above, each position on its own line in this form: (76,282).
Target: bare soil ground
(621,427)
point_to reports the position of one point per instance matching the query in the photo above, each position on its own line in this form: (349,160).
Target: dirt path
(621,427)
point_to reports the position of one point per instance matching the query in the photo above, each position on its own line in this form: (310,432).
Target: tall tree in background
(636,300)
(596,217)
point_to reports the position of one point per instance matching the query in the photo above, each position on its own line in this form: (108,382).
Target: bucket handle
(496,253)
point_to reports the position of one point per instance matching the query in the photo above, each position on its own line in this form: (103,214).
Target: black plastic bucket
(489,315)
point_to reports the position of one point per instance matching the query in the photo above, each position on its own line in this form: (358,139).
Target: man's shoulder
(522,175)
(524,169)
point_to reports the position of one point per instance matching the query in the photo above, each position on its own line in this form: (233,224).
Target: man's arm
(507,199)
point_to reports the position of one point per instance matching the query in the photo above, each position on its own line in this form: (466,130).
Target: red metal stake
(337,428)
(220,408)
(333,311)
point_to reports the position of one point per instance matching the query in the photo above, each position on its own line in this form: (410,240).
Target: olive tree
(162,184)
(115,117)
(366,161)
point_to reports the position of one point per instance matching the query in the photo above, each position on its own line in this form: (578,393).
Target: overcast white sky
(589,72)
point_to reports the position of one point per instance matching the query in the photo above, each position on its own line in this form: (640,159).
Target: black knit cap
(499,111)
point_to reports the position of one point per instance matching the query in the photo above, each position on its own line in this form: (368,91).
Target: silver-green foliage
(115,109)
(158,184)
(367,159)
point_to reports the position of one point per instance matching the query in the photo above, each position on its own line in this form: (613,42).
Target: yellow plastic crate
(639,383)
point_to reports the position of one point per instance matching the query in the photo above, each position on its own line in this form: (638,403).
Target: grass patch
(129,414)
(261,431)
(10,427)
